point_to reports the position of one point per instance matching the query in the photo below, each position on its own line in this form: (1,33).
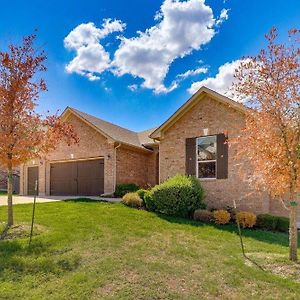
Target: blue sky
(138,83)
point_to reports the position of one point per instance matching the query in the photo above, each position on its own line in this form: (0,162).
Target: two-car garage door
(84,178)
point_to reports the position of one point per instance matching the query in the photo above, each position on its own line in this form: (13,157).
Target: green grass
(97,250)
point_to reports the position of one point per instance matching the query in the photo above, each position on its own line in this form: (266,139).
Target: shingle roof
(117,133)
(144,136)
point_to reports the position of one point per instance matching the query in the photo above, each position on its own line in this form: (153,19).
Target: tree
(270,81)
(25,134)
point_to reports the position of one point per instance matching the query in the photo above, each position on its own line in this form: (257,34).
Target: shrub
(149,203)
(178,196)
(246,219)
(273,223)
(124,188)
(132,200)
(266,221)
(141,193)
(203,215)
(221,216)
(283,224)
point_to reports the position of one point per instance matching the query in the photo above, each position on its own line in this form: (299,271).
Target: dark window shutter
(222,156)
(190,164)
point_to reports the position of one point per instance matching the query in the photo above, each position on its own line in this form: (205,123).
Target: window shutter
(222,156)
(190,164)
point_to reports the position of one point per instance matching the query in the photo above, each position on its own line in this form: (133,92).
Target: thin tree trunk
(293,232)
(10,218)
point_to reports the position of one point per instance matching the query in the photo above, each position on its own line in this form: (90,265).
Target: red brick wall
(134,166)
(218,118)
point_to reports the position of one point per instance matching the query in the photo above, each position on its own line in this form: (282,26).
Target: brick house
(3,180)
(106,155)
(191,141)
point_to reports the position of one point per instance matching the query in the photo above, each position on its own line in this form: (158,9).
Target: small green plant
(141,193)
(132,200)
(124,188)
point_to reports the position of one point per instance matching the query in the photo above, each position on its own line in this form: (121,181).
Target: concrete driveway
(29,199)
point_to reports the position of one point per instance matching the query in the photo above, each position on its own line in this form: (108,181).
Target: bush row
(178,196)
(245,219)
(222,216)
(274,223)
(183,196)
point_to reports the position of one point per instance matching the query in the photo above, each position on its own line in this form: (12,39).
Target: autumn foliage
(25,134)
(246,219)
(221,216)
(270,82)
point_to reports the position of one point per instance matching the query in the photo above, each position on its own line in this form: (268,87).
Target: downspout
(115,166)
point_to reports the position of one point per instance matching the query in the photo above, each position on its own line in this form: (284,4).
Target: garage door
(82,178)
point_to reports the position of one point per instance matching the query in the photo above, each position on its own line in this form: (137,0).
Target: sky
(133,63)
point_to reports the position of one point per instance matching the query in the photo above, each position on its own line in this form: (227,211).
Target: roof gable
(112,131)
(198,96)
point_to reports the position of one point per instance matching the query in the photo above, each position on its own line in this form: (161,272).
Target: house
(106,155)
(191,141)
(3,180)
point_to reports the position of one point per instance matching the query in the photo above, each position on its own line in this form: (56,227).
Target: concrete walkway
(45,199)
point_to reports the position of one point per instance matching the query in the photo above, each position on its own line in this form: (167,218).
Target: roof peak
(116,132)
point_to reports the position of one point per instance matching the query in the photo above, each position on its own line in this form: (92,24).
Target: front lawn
(97,250)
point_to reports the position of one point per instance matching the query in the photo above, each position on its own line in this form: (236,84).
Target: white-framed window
(206,157)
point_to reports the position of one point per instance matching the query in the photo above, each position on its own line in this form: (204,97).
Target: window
(206,156)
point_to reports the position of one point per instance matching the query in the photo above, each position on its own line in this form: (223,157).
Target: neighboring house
(3,180)
(192,141)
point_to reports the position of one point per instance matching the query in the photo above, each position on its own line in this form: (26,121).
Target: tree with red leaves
(270,82)
(25,134)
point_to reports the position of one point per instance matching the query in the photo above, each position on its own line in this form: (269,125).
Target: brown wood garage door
(82,178)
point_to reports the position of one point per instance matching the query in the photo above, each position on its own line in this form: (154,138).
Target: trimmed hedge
(283,224)
(273,223)
(124,188)
(149,202)
(178,196)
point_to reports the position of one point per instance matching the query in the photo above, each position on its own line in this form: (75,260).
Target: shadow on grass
(80,200)
(270,237)
(18,259)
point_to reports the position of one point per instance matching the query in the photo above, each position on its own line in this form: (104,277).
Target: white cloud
(223,16)
(183,26)
(91,58)
(222,82)
(189,73)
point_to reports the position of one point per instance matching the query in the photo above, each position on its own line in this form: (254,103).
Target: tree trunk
(293,232)
(10,218)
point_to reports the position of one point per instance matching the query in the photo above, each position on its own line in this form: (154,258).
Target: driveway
(29,199)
